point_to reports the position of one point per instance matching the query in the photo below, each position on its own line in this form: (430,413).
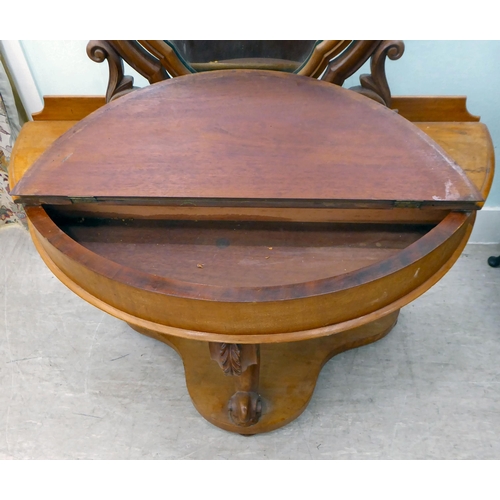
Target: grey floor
(76,383)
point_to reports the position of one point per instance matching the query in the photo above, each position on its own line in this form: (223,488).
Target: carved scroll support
(375,84)
(118,83)
(241,361)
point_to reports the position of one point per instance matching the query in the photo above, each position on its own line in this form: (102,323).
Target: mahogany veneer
(248,139)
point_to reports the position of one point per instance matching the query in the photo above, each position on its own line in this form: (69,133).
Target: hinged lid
(252,139)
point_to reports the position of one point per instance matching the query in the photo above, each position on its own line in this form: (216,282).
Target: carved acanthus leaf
(234,359)
(230,358)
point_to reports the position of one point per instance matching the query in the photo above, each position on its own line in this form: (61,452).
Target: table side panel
(252,311)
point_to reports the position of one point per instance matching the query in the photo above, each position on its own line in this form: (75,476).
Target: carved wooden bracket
(349,61)
(141,60)
(375,84)
(242,361)
(118,84)
(116,51)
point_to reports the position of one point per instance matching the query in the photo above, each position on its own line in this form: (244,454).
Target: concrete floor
(76,383)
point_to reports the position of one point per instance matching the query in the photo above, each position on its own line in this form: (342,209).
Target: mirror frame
(330,60)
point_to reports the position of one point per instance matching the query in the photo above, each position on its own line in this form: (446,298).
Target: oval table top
(252,139)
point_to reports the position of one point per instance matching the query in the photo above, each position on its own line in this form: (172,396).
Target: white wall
(63,67)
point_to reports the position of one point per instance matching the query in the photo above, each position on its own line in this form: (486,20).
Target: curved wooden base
(288,375)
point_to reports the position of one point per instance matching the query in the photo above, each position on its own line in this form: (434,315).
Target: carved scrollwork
(375,85)
(144,62)
(349,61)
(245,408)
(118,83)
(242,361)
(322,53)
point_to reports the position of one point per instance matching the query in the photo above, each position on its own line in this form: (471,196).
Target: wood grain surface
(468,143)
(73,108)
(248,138)
(433,108)
(251,254)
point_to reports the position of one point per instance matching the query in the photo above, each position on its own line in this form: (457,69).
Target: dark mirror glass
(206,55)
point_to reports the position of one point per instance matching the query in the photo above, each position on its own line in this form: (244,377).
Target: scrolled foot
(245,408)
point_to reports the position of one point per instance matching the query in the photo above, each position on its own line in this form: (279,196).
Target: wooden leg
(241,361)
(274,386)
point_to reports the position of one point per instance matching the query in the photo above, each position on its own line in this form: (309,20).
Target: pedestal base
(288,374)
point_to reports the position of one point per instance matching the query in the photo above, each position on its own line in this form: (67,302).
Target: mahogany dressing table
(257,222)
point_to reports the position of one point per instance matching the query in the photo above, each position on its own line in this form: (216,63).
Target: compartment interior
(253,254)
